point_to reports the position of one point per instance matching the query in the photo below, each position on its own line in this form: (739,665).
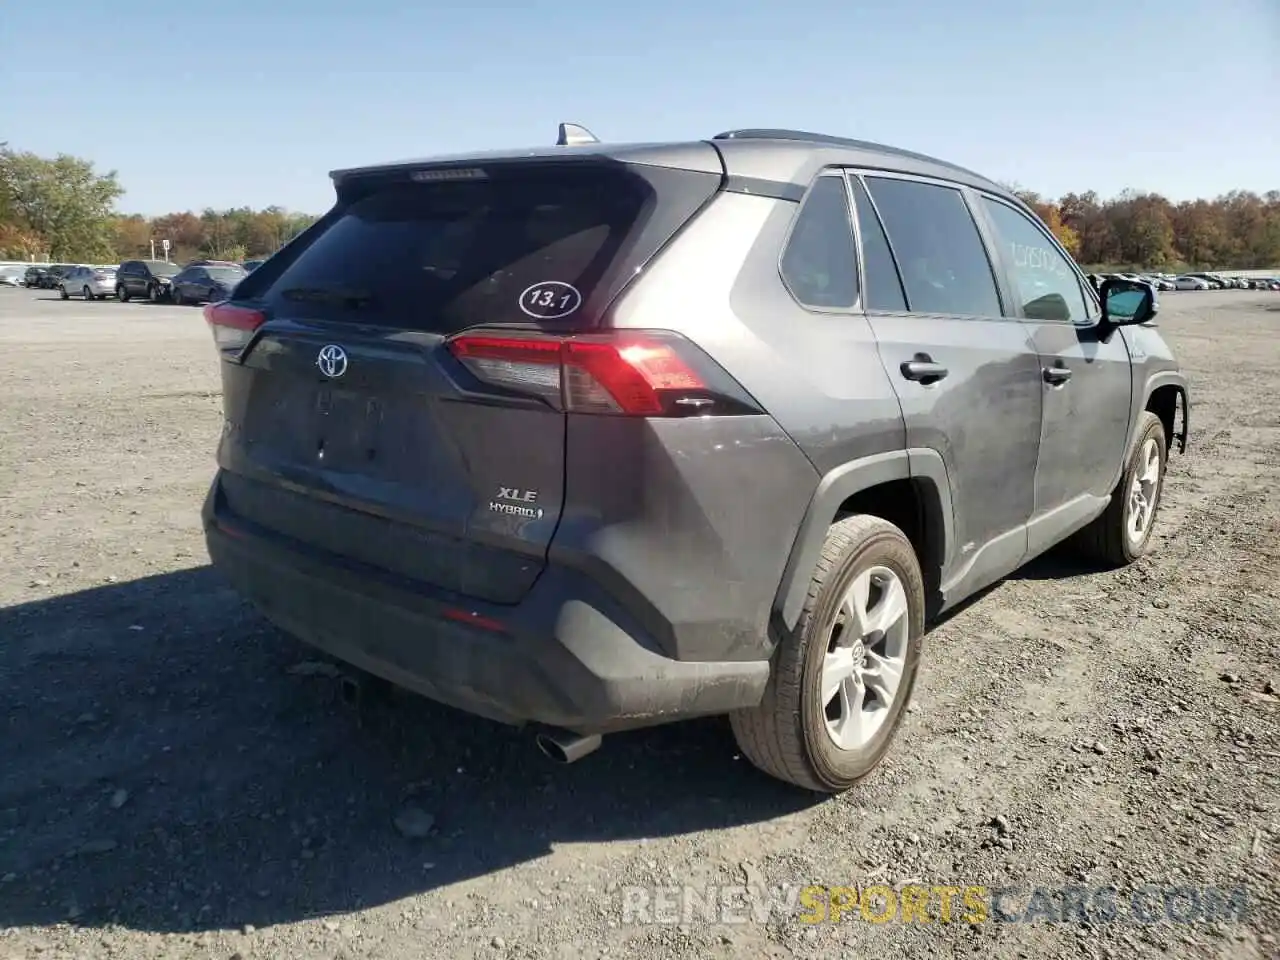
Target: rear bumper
(565,656)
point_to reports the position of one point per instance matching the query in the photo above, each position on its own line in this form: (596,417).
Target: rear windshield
(539,243)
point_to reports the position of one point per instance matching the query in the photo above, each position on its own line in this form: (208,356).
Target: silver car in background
(92,283)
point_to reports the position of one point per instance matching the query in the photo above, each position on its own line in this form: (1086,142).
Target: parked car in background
(252,265)
(145,278)
(11,276)
(1214,283)
(34,276)
(206,283)
(53,276)
(92,283)
(1188,282)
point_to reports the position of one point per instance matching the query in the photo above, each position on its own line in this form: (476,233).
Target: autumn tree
(131,236)
(63,201)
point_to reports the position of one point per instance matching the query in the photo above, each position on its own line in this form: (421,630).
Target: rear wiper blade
(348,296)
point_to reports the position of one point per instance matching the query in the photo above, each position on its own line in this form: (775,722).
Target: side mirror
(1125,302)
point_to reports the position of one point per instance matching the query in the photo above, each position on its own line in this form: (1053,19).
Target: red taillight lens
(623,377)
(233,327)
(631,374)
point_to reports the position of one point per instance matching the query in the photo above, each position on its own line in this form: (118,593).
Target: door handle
(1056,376)
(922,369)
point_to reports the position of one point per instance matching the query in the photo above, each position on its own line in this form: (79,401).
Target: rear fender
(925,466)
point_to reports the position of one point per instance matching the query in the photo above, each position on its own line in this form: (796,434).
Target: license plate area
(349,428)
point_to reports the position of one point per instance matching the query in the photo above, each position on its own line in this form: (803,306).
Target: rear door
(967,379)
(351,428)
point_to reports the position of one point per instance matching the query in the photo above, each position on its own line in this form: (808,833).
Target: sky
(235,103)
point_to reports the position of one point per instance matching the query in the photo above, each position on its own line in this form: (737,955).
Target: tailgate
(349,426)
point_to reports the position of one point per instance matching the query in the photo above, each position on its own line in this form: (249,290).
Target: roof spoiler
(575,135)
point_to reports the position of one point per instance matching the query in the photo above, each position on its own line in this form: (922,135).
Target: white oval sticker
(550,299)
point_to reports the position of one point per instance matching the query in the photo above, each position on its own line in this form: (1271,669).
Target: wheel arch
(908,488)
(1166,396)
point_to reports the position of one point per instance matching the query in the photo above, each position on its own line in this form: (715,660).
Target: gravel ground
(179,780)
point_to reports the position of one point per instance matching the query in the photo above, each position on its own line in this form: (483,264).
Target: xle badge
(514,502)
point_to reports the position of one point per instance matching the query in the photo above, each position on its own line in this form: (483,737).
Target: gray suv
(595,437)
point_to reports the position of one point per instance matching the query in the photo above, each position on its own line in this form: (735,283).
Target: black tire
(176,296)
(153,293)
(87,294)
(121,293)
(786,735)
(63,290)
(1107,539)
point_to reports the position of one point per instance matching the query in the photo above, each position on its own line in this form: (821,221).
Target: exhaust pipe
(565,746)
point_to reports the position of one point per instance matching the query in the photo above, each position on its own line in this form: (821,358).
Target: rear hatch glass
(348,428)
(527,243)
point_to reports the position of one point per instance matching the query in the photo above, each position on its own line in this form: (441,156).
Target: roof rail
(804,136)
(769,133)
(575,134)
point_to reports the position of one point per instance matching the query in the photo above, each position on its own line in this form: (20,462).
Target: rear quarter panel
(713,507)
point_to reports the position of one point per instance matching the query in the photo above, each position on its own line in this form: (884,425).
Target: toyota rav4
(594,437)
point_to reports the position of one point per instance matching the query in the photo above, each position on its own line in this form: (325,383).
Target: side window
(819,264)
(939,250)
(1043,280)
(884,286)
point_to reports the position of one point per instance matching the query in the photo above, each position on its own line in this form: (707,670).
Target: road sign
(165,245)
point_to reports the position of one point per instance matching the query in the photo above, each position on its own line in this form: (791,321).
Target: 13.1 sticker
(550,299)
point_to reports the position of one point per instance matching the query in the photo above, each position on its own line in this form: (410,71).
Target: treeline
(217,234)
(1141,231)
(61,209)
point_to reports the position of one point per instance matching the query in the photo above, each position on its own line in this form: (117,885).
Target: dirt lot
(170,787)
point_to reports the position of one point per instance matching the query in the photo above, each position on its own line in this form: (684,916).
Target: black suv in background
(34,277)
(144,278)
(53,276)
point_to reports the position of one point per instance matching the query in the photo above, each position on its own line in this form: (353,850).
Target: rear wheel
(1123,532)
(86,293)
(122,294)
(842,679)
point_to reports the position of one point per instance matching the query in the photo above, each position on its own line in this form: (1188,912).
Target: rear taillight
(232,326)
(633,373)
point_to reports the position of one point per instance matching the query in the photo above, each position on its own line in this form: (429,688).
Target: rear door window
(884,286)
(534,243)
(939,250)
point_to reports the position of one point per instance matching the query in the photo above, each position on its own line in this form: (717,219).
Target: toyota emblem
(332,360)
